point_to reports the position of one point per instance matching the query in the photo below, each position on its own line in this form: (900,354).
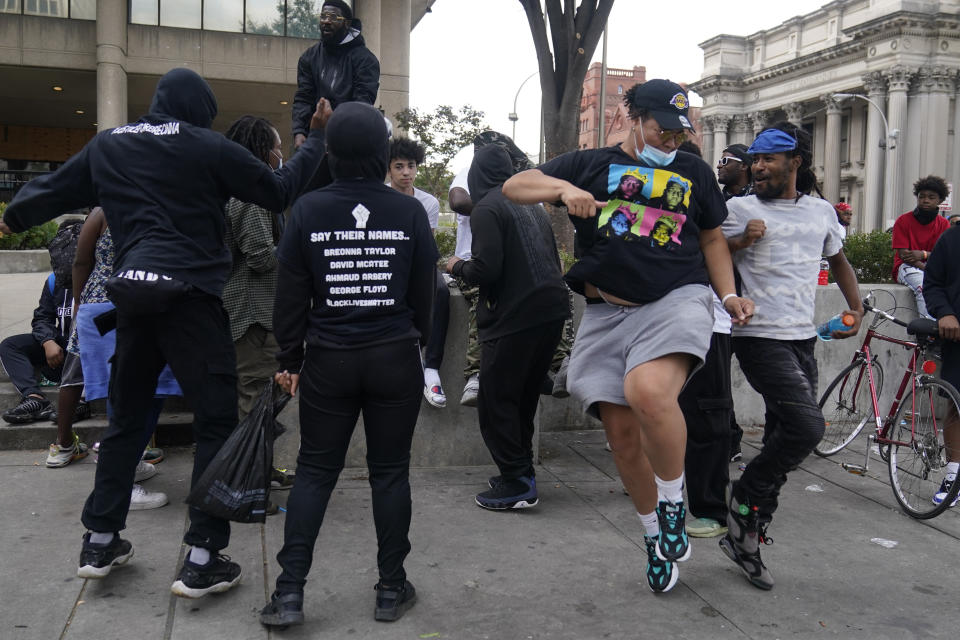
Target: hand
(287,381)
(949,328)
(755,230)
(914,258)
(4,229)
(322,115)
(740,309)
(53,353)
(852,331)
(298,140)
(450,263)
(580,203)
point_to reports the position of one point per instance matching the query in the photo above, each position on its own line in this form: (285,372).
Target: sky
(479,52)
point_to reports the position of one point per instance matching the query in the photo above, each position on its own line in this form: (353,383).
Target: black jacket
(52,319)
(941,279)
(514,255)
(163,182)
(346,72)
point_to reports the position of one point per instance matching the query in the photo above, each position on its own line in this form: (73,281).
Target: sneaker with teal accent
(661,575)
(672,543)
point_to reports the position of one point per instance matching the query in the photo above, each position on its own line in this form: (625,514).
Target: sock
(952,469)
(199,555)
(101,538)
(670,490)
(650,523)
(431,377)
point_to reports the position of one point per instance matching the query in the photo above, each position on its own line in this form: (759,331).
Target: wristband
(724,299)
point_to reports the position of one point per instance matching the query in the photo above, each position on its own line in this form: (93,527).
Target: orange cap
(848,319)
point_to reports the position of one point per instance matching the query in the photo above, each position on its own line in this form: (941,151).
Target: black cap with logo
(666,101)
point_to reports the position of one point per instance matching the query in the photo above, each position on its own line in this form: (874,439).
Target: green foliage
(871,255)
(567,260)
(443,133)
(446,243)
(33,238)
(302,21)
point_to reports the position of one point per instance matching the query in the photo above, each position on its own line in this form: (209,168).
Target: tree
(443,133)
(302,20)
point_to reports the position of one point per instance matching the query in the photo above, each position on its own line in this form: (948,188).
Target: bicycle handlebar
(881,312)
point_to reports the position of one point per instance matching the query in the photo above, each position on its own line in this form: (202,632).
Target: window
(184,14)
(9,6)
(144,11)
(83,9)
(619,89)
(265,17)
(223,16)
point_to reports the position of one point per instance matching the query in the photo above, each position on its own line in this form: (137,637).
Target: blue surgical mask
(651,155)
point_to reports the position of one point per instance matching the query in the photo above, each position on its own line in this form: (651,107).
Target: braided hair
(254,133)
(806,178)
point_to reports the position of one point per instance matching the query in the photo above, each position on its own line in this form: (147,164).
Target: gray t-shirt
(780,270)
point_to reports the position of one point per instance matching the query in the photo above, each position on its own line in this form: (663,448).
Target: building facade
(900,59)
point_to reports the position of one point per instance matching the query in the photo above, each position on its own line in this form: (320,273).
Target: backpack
(63,249)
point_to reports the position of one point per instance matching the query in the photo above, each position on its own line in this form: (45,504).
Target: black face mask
(924,216)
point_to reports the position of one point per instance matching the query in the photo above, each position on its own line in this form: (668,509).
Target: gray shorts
(72,375)
(613,339)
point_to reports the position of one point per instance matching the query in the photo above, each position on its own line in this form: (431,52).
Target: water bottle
(823,278)
(839,322)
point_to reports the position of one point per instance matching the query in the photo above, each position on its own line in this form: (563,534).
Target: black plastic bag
(236,484)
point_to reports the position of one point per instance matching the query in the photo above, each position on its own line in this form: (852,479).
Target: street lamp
(512,116)
(891,135)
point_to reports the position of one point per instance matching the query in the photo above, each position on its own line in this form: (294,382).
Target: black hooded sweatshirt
(357,258)
(163,182)
(514,254)
(340,73)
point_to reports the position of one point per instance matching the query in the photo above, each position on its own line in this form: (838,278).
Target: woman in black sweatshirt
(355,282)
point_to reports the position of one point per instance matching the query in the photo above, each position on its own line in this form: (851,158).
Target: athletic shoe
(145,471)
(493,481)
(705,528)
(672,543)
(141,499)
(80,412)
(941,493)
(96,560)
(510,494)
(29,410)
(280,480)
(435,396)
(283,610)
(470,391)
(62,456)
(197,580)
(661,576)
(742,542)
(560,380)
(736,455)
(393,602)
(152,455)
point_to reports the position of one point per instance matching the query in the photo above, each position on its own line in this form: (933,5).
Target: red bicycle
(911,437)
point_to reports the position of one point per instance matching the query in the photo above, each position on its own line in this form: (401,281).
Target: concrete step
(9,397)
(174,429)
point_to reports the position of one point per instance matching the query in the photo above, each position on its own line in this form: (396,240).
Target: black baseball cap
(666,101)
(739,151)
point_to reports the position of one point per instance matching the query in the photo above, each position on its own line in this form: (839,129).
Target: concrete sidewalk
(570,568)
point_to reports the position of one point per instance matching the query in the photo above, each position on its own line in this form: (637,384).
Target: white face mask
(279,159)
(651,155)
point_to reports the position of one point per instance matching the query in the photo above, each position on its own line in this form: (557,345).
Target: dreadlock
(806,178)
(254,133)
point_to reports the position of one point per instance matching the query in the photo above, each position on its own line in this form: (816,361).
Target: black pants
(195,340)
(336,385)
(20,355)
(511,370)
(784,372)
(433,357)
(706,404)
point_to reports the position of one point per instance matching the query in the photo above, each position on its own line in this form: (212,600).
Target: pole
(512,116)
(602,98)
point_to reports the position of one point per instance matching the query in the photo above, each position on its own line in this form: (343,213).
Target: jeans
(913,278)
(19,355)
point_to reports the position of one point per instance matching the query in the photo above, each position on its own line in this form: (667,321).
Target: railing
(12,179)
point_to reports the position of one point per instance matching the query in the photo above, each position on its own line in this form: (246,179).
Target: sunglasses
(332,18)
(677,135)
(727,159)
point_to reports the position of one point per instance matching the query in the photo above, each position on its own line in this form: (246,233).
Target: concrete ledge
(24,261)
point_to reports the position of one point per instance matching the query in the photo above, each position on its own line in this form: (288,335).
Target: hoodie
(514,255)
(343,72)
(163,182)
(53,317)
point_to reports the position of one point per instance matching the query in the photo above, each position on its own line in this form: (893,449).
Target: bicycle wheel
(918,463)
(847,407)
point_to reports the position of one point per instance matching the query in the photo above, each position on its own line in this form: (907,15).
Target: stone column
(955,165)
(706,137)
(898,83)
(368,12)
(831,149)
(871,215)
(760,121)
(111,63)
(720,124)
(794,112)
(743,126)
(394,96)
(938,83)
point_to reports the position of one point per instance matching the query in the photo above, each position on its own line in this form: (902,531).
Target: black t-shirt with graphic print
(645,242)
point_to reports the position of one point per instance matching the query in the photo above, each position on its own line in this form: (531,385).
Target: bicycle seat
(924,327)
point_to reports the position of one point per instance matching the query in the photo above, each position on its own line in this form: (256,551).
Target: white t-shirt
(780,269)
(430,204)
(721,319)
(464,234)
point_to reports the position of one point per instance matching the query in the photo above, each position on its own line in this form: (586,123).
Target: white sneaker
(141,499)
(435,396)
(470,391)
(59,456)
(145,471)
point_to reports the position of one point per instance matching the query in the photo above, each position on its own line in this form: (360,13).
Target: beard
(769,190)
(334,37)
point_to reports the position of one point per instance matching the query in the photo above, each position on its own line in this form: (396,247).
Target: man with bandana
(339,68)
(777,237)
(915,233)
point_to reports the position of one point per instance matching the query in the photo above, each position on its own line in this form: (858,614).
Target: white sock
(650,523)
(199,555)
(431,377)
(670,490)
(952,469)
(101,538)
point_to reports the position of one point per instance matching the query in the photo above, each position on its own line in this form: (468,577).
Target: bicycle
(910,439)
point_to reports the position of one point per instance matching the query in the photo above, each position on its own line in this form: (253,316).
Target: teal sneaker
(661,575)
(672,543)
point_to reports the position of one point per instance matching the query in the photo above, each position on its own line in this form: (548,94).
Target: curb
(173,429)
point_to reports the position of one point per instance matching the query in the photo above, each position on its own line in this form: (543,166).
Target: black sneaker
(493,481)
(283,610)
(280,480)
(510,494)
(30,409)
(196,580)
(393,602)
(672,543)
(96,560)
(82,412)
(742,542)
(736,455)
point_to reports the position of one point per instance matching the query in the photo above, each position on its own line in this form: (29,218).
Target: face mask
(651,155)
(279,159)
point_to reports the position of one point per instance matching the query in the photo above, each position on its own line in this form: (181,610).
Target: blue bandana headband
(773,141)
